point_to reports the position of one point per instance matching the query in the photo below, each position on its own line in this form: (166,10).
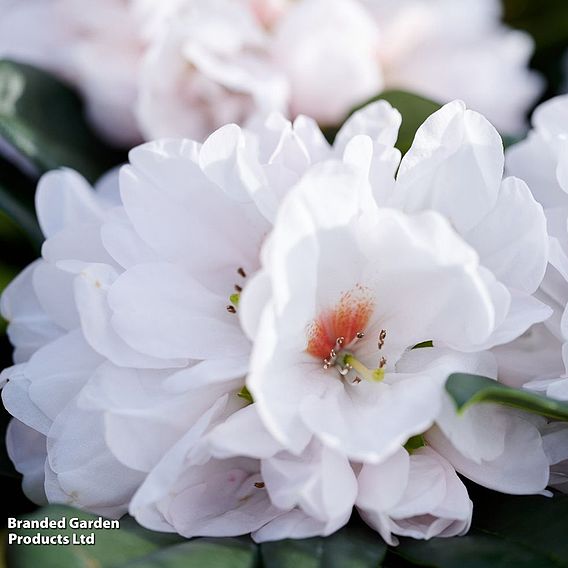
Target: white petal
(521,469)
(296,524)
(27,449)
(454,166)
(84,467)
(320,481)
(180,318)
(91,290)
(65,198)
(29,327)
(511,239)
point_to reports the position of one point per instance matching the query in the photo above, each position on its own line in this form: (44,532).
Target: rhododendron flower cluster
(252,334)
(150,68)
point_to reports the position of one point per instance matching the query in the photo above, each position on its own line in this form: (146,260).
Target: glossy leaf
(112,547)
(413,108)
(467,390)
(356,547)
(42,120)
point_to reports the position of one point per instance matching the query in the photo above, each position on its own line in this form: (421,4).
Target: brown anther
(339,341)
(241,272)
(359,335)
(356,380)
(231,309)
(259,485)
(382,337)
(382,362)
(238,288)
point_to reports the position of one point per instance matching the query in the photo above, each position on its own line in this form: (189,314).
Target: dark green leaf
(43,121)
(414,109)
(508,531)
(355,547)
(476,550)
(201,553)
(467,390)
(112,547)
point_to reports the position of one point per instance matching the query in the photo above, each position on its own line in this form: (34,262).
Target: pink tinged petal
(522,468)
(297,524)
(27,450)
(454,166)
(435,503)
(321,482)
(311,36)
(511,239)
(160,310)
(64,198)
(85,469)
(92,286)
(242,434)
(29,326)
(203,498)
(382,485)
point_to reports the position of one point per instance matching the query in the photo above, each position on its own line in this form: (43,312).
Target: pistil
(350,362)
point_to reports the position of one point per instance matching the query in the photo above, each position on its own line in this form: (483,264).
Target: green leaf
(201,553)
(414,110)
(43,121)
(476,550)
(508,531)
(355,547)
(467,390)
(244,393)
(112,547)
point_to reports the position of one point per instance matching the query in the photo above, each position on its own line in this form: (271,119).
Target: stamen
(373,375)
(238,288)
(241,272)
(231,309)
(259,485)
(382,337)
(382,362)
(359,335)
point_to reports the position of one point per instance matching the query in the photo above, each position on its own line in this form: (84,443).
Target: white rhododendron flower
(110,251)
(341,294)
(542,159)
(183,68)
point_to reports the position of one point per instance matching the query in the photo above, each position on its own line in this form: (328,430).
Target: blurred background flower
(149,69)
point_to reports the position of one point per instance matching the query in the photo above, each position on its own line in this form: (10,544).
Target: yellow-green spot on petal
(234,299)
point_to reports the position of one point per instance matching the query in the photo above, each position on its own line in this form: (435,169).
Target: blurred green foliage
(547,22)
